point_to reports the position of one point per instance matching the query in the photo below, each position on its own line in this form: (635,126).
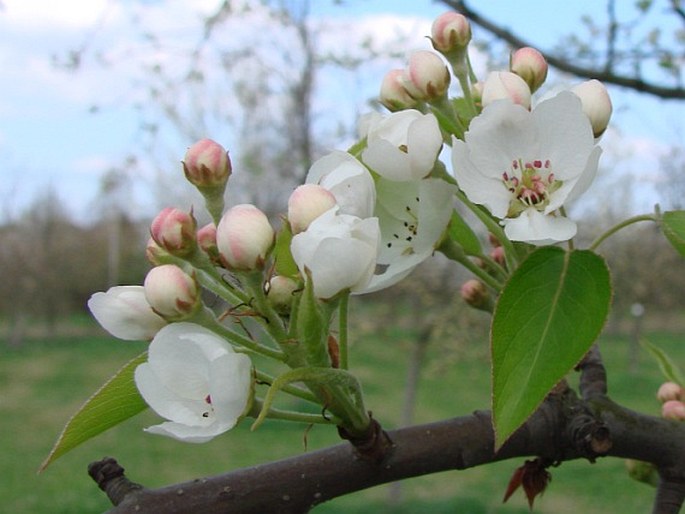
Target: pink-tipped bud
(244,237)
(280,293)
(206,240)
(506,85)
(171,292)
(426,77)
(174,230)
(673,409)
(530,65)
(394,95)
(596,104)
(476,294)
(206,164)
(154,253)
(450,31)
(306,203)
(497,254)
(669,391)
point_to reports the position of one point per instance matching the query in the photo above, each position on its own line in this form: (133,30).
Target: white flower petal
(124,312)
(186,433)
(537,228)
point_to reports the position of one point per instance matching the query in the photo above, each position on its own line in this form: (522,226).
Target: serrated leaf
(673,226)
(460,232)
(547,317)
(116,401)
(668,367)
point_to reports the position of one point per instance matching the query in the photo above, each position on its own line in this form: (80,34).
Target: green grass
(44,382)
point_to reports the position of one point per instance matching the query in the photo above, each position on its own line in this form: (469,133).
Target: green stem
(619,226)
(298,392)
(206,318)
(275,326)
(494,228)
(447,117)
(295,416)
(343,312)
(454,252)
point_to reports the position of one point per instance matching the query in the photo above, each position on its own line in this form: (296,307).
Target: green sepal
(313,323)
(115,402)
(673,227)
(284,262)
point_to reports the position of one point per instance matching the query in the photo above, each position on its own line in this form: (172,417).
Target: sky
(50,138)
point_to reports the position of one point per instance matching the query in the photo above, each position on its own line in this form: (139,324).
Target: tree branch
(605,75)
(563,428)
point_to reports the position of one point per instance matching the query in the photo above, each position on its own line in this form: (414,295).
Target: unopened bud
(280,293)
(206,164)
(174,231)
(171,292)
(497,254)
(154,253)
(669,391)
(206,239)
(306,203)
(244,237)
(426,77)
(530,65)
(506,85)
(450,31)
(394,95)
(673,409)
(596,104)
(476,294)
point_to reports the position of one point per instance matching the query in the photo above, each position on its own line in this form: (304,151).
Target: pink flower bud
(280,293)
(497,254)
(669,391)
(450,31)
(596,104)
(394,95)
(244,238)
(504,84)
(206,164)
(476,294)
(154,253)
(171,292)
(426,76)
(673,409)
(530,65)
(174,231)
(308,202)
(206,239)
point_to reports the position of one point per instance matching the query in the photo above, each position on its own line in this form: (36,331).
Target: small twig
(109,476)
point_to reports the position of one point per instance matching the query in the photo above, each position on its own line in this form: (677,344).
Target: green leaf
(285,265)
(116,401)
(547,317)
(459,231)
(673,226)
(668,367)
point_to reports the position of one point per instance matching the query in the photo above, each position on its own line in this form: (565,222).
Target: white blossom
(523,166)
(196,380)
(124,312)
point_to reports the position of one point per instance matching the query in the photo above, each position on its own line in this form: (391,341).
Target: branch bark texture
(564,428)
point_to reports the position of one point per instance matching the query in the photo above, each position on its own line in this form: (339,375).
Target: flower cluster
(363,220)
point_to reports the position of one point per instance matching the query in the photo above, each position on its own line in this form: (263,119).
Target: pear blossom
(349,181)
(244,238)
(124,312)
(413,216)
(403,145)
(394,95)
(171,292)
(338,252)
(524,166)
(596,104)
(426,77)
(196,380)
(500,85)
(306,203)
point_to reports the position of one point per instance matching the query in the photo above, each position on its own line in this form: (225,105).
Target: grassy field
(43,382)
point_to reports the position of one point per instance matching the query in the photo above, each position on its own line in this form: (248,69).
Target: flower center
(405,233)
(208,401)
(531,184)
